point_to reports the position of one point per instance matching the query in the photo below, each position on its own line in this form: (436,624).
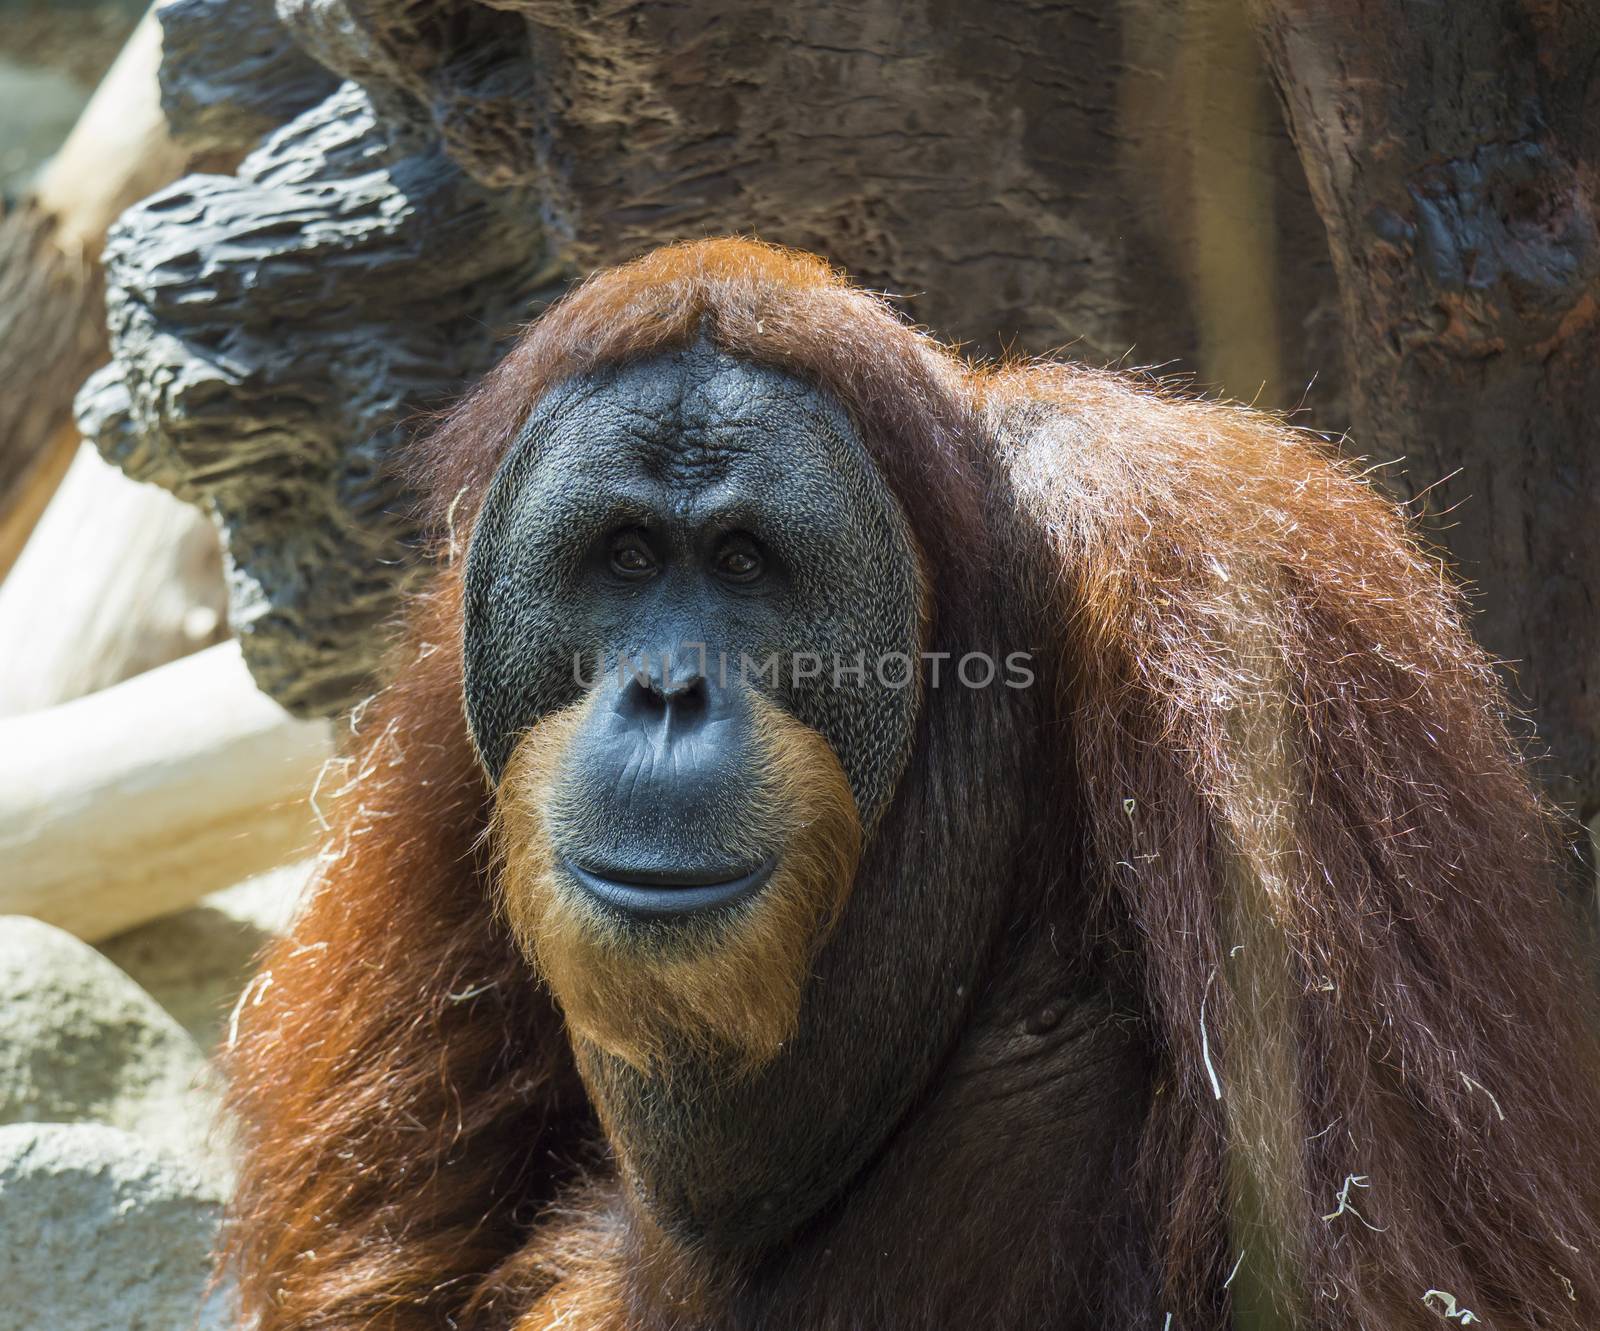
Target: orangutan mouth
(668,894)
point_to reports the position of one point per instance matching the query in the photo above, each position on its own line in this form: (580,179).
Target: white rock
(100,1231)
(81,1042)
(196,962)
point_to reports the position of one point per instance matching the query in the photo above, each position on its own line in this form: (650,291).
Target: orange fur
(1285,791)
(725,987)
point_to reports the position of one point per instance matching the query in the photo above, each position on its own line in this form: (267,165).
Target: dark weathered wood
(231,74)
(275,333)
(975,158)
(1024,176)
(1453,153)
(1100,177)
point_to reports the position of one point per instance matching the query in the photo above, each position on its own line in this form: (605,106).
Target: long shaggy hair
(705,989)
(1311,844)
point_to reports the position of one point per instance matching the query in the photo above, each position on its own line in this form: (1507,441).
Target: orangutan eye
(631,556)
(740,560)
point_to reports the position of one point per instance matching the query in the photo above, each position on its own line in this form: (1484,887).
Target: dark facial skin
(696,499)
(681,530)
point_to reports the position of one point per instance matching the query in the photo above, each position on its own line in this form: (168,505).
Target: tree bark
(1098,177)
(52,333)
(1453,152)
(1107,178)
(1015,173)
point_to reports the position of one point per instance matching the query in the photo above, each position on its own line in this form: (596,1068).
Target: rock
(196,962)
(81,1042)
(100,1231)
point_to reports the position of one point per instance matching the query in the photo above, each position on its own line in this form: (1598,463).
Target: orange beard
(727,985)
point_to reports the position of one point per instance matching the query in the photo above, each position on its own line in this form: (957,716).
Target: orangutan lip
(661,895)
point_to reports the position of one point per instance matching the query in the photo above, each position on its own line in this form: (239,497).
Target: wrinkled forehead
(693,416)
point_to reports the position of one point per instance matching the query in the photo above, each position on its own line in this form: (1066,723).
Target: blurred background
(112,1166)
(101,578)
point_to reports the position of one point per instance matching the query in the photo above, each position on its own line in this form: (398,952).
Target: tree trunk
(1107,178)
(1019,174)
(1101,178)
(1452,151)
(52,333)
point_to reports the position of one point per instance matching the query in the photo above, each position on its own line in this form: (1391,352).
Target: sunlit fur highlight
(727,985)
(1328,753)
(1257,1073)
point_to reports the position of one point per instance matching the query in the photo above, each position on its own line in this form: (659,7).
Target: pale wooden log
(28,493)
(117,153)
(52,322)
(51,335)
(135,801)
(118,578)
